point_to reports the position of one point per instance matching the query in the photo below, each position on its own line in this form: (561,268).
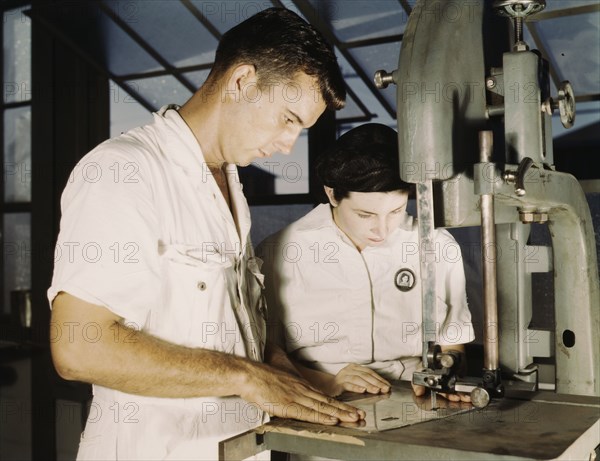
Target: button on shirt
(146,232)
(334,305)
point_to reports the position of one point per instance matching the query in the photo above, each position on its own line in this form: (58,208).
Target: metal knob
(566,104)
(447,360)
(480,398)
(383,78)
(518,10)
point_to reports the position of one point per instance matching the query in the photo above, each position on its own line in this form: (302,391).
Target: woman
(342,282)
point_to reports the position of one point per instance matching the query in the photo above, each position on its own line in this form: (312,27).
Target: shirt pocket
(196,309)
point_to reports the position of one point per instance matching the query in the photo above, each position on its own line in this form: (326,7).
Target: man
(166,309)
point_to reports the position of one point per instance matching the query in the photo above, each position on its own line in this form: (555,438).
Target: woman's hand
(356,378)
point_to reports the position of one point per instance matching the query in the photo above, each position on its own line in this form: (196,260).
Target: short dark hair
(364,159)
(279,44)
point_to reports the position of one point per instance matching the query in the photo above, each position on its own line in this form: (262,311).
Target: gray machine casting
(445,98)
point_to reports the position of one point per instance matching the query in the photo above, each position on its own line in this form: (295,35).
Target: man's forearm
(135,362)
(138,363)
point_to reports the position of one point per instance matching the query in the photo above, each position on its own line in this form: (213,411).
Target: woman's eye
(364,216)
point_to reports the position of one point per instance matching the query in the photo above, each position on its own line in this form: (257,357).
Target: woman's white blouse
(331,305)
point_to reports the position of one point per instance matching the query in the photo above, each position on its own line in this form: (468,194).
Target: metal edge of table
(528,415)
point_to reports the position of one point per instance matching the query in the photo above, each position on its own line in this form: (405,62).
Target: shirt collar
(319,217)
(184,149)
(185,152)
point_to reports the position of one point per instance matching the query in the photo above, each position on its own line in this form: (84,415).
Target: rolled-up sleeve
(107,249)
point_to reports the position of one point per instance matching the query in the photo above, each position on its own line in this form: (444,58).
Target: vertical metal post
(427,258)
(488,242)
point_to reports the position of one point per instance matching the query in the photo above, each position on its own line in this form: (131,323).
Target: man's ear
(241,78)
(330,196)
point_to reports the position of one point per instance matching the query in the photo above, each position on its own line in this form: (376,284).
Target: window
(15,135)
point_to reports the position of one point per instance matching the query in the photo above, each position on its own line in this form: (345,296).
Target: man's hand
(357,378)
(288,396)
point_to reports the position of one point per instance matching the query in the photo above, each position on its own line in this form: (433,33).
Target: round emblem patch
(404,279)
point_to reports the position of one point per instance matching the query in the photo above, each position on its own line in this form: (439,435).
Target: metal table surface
(523,425)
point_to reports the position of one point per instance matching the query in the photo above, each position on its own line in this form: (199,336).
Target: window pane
(225,15)
(159,91)
(125,112)
(17,255)
(564,4)
(564,38)
(351,109)
(197,78)
(17,154)
(17,56)
(362,19)
(98,36)
(280,174)
(155,21)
